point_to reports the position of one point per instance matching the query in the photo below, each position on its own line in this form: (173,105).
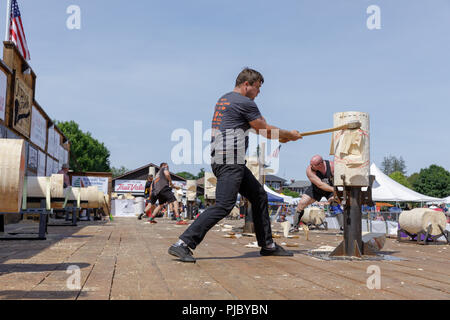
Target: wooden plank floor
(127,259)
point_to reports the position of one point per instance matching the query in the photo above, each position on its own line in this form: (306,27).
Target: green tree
(290,193)
(116,172)
(413,178)
(392,164)
(400,178)
(433,181)
(87,153)
(186,175)
(201,174)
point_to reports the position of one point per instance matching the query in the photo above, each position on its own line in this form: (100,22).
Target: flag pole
(8,19)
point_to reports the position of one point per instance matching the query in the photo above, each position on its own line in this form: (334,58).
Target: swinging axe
(352,125)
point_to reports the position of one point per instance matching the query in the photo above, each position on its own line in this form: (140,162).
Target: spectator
(65,172)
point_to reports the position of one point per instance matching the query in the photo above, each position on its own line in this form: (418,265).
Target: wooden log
(89,194)
(37,186)
(12,173)
(191,190)
(210,185)
(314,216)
(351,150)
(417,220)
(73,193)
(92,197)
(57,186)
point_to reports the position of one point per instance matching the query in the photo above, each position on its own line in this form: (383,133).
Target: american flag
(16,32)
(276,152)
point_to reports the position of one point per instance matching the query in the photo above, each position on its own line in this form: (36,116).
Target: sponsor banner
(49,166)
(135,186)
(32,158)
(56,166)
(3,83)
(84,182)
(57,144)
(23,101)
(38,128)
(41,164)
(50,140)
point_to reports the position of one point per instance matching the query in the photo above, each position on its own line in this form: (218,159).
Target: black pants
(231,180)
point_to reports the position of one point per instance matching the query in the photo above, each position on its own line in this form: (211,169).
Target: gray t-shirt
(230,125)
(160,182)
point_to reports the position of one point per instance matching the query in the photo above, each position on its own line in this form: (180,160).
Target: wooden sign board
(23,102)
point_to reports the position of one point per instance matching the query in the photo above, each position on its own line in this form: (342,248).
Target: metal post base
(69,210)
(43,220)
(340,251)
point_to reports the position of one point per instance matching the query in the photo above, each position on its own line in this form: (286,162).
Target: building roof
(272,178)
(300,184)
(142,174)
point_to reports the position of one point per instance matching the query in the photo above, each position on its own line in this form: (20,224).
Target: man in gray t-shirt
(230,126)
(235,113)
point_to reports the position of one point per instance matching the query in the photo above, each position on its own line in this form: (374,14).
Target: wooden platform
(127,259)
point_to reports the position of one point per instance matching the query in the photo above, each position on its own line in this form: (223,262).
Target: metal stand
(425,235)
(43,218)
(73,210)
(353,198)
(190,210)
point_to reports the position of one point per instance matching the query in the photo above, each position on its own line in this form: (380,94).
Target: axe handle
(311,133)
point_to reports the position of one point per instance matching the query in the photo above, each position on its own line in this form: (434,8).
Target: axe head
(352,125)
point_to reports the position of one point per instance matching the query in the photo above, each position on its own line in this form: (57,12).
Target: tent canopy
(386,189)
(272,194)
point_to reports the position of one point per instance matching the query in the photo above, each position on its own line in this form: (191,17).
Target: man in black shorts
(162,192)
(234,115)
(320,172)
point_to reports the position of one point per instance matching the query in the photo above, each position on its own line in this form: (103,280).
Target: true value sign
(130,186)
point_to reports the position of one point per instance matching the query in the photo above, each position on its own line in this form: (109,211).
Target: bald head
(316,160)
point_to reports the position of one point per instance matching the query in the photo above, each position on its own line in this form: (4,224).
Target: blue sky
(136,71)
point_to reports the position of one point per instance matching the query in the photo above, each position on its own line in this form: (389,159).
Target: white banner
(41,164)
(136,186)
(3,82)
(84,182)
(38,128)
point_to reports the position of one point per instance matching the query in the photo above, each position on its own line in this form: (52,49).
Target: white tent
(286,199)
(387,189)
(446,200)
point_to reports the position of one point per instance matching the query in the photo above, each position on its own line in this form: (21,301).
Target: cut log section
(191,190)
(37,186)
(314,216)
(12,172)
(89,194)
(418,220)
(210,185)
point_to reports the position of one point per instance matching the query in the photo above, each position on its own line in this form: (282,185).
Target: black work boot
(277,251)
(182,252)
